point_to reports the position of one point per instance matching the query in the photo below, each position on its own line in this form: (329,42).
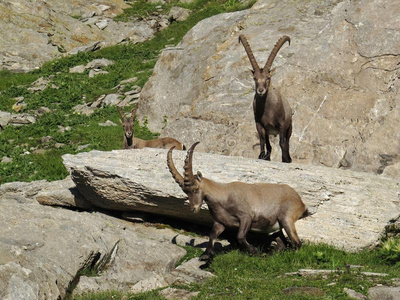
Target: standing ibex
(272,112)
(259,206)
(131,142)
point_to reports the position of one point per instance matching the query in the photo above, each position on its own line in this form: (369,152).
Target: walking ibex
(131,142)
(259,206)
(272,112)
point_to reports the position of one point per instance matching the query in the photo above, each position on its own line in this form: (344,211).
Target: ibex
(131,142)
(272,112)
(258,206)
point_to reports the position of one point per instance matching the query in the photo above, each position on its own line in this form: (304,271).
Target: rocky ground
(34,32)
(49,252)
(65,236)
(86,233)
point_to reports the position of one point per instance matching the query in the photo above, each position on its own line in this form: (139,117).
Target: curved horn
(121,113)
(171,166)
(133,113)
(189,180)
(250,54)
(274,52)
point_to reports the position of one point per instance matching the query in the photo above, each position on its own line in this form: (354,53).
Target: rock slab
(351,209)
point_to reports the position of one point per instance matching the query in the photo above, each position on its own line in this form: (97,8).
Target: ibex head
(190,184)
(127,124)
(262,76)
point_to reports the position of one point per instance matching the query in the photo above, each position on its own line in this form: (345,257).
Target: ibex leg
(269,148)
(291,231)
(281,241)
(217,229)
(244,227)
(262,136)
(284,144)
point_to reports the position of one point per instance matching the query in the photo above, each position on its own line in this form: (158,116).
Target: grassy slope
(240,276)
(130,60)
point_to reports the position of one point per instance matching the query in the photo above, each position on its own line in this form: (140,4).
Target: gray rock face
(354,295)
(21,119)
(384,293)
(178,14)
(94,65)
(342,87)
(39,85)
(43,249)
(6,160)
(107,123)
(86,48)
(99,63)
(112,99)
(5,117)
(351,209)
(62,193)
(33,32)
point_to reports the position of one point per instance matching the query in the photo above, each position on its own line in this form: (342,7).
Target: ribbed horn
(133,113)
(250,54)
(275,51)
(189,180)
(121,113)
(171,166)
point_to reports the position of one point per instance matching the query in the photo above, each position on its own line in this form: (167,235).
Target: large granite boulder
(49,252)
(351,209)
(340,74)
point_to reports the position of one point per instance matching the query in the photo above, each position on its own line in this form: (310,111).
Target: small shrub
(390,251)
(321,257)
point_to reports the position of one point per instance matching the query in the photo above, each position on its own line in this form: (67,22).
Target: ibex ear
(122,123)
(272,71)
(199,176)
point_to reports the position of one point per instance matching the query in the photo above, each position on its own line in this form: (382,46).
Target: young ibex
(131,142)
(259,206)
(272,112)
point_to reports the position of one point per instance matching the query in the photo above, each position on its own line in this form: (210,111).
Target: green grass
(67,90)
(240,276)
(191,252)
(138,9)
(143,9)
(85,130)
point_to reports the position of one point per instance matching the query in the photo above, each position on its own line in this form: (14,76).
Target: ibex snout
(261,85)
(128,134)
(195,209)
(261,91)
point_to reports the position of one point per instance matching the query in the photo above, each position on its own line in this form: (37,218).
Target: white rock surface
(340,75)
(351,208)
(43,249)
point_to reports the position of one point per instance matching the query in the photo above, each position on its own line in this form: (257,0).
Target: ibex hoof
(204,257)
(252,250)
(207,255)
(287,160)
